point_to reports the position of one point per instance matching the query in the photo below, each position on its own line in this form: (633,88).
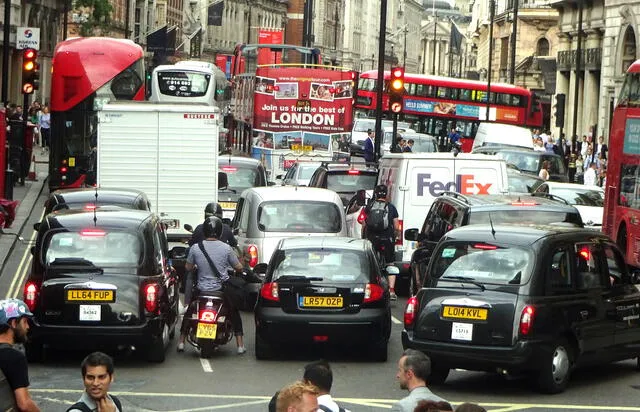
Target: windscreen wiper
(466,280)
(299,278)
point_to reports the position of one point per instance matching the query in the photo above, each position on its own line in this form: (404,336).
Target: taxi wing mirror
(178,252)
(260,269)
(188,227)
(36,226)
(411,234)
(223,180)
(33,250)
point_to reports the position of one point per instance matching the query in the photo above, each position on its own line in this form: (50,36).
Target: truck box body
(168,151)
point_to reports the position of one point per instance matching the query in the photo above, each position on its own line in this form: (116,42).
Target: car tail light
(63,170)
(372,293)
(410,312)
(269,291)
(90,207)
(353,172)
(151,298)
(253,255)
(92,233)
(362,216)
(484,246)
(320,338)
(524,204)
(228,169)
(399,239)
(526,320)
(31,295)
(207,315)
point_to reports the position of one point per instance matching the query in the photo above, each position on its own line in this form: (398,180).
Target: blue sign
(632,137)
(468,111)
(419,105)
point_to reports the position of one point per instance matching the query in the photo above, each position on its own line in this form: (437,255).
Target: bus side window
(442,92)
(452,94)
(466,95)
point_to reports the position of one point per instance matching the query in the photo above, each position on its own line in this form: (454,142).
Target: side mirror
(223,180)
(33,250)
(392,270)
(362,197)
(411,234)
(178,252)
(260,269)
(279,177)
(271,183)
(422,255)
(188,227)
(226,221)
(36,226)
(236,231)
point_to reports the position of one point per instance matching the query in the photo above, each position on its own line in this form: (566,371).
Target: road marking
(395,320)
(225,406)
(206,365)
(21,271)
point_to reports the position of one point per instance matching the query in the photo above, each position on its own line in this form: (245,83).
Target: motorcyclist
(383,239)
(214,209)
(224,259)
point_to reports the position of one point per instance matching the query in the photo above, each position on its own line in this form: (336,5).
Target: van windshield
(299,217)
(96,247)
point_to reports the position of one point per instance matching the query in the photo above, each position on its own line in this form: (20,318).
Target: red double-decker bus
(621,220)
(435,104)
(87,72)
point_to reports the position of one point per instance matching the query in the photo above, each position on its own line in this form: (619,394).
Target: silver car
(264,215)
(300,173)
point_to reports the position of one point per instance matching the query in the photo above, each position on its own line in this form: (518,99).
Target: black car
(102,278)
(323,290)
(242,173)
(535,300)
(344,178)
(452,210)
(90,198)
(529,161)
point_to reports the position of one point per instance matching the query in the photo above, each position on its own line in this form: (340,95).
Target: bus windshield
(183,83)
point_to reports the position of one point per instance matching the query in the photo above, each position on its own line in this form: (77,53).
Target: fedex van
(416,179)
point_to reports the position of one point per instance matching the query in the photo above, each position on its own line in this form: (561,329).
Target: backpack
(378,216)
(84,408)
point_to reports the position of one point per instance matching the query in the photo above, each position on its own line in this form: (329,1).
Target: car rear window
(96,247)
(351,182)
(331,265)
(299,217)
(307,171)
(240,178)
(482,262)
(90,205)
(524,216)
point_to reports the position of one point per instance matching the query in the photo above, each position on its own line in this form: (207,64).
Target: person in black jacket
(214,209)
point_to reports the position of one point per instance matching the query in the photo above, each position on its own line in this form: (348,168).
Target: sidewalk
(28,196)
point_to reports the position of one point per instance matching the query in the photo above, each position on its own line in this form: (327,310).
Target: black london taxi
(534,300)
(102,278)
(241,173)
(90,198)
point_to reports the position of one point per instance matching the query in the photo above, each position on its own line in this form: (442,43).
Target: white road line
(206,366)
(225,406)
(395,320)
(21,272)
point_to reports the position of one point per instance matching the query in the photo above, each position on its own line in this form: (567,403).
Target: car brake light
(484,246)
(90,207)
(30,295)
(92,233)
(320,338)
(229,169)
(526,320)
(207,316)
(353,172)
(584,253)
(362,216)
(410,312)
(372,293)
(524,204)
(253,255)
(63,170)
(269,291)
(151,298)
(399,240)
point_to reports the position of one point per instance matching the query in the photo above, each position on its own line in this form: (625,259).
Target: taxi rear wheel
(556,369)
(157,346)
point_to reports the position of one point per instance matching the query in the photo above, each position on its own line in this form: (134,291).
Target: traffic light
(559,109)
(30,71)
(396,90)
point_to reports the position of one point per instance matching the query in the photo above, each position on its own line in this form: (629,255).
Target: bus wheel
(622,239)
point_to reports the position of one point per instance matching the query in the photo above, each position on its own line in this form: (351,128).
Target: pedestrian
(579,169)
(432,406)
(538,145)
(14,327)
(97,375)
(409,147)
(571,166)
(590,175)
(470,407)
(297,397)
(454,136)
(544,170)
(369,154)
(414,367)
(45,128)
(601,148)
(398,147)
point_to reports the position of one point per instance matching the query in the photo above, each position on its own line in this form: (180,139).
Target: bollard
(8,184)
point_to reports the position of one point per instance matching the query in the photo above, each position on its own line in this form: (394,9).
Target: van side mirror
(260,269)
(188,227)
(36,226)
(223,180)
(178,252)
(411,234)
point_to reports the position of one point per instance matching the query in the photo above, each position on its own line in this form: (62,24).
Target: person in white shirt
(590,175)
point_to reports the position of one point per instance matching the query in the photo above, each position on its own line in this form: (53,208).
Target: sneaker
(393,296)
(180,347)
(241,350)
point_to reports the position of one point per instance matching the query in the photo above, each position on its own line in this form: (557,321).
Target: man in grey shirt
(224,259)
(97,375)
(413,369)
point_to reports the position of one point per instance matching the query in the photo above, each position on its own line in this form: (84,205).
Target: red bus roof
(635,67)
(83,65)
(452,82)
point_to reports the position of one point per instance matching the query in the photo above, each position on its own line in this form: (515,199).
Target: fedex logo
(463,184)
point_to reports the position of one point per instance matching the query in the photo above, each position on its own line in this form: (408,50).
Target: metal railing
(591,59)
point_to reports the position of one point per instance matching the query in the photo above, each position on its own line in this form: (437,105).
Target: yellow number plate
(72,162)
(86,295)
(228,205)
(206,331)
(464,313)
(322,302)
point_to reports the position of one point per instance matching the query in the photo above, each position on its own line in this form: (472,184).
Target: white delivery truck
(415,179)
(168,151)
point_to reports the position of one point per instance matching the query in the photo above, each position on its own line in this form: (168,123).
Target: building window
(542,49)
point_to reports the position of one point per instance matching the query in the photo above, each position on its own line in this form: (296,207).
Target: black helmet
(213,209)
(380,191)
(212,227)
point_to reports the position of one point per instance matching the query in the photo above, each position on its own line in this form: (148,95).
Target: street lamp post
(379,85)
(512,63)
(576,89)
(492,10)
(435,42)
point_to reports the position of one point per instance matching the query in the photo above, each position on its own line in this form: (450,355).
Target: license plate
(228,205)
(206,331)
(321,302)
(462,331)
(91,295)
(90,313)
(464,313)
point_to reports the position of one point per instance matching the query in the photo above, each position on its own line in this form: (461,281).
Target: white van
(497,134)
(415,179)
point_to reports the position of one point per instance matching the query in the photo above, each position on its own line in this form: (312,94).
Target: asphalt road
(229,381)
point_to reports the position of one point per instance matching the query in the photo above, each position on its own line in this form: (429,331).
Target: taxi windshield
(350,182)
(481,262)
(93,247)
(299,217)
(240,178)
(330,265)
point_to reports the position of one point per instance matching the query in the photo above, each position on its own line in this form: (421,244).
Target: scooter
(210,325)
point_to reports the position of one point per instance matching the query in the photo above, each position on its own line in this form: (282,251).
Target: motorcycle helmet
(213,209)
(380,191)
(212,227)
(12,309)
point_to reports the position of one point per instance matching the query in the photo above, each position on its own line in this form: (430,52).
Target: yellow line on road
(21,271)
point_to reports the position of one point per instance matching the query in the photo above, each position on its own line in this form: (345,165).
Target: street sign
(28,38)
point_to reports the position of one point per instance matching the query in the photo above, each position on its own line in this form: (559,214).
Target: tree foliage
(99,18)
